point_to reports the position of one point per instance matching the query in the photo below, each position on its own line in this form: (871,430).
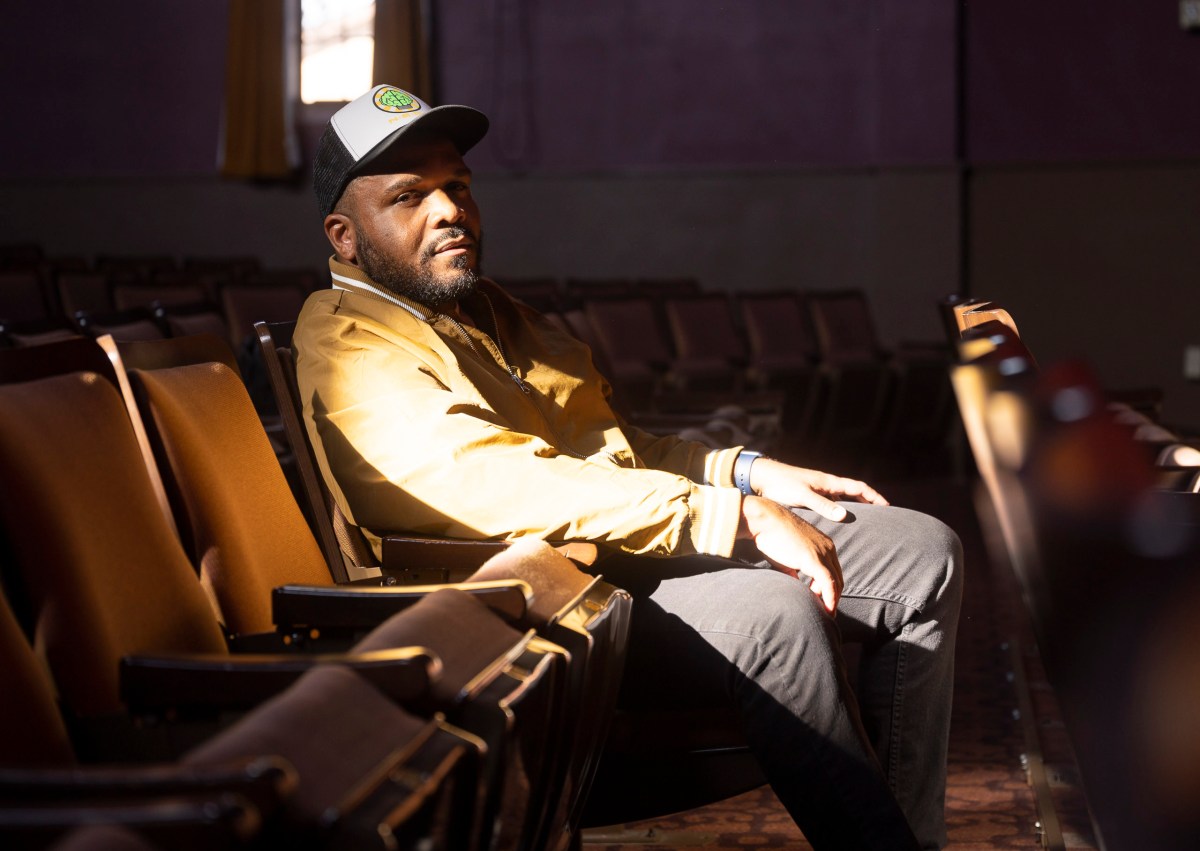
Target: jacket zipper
(512,371)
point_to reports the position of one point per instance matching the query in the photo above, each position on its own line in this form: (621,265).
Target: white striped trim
(374,290)
(716,505)
(715,463)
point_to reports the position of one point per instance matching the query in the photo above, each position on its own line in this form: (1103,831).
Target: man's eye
(406,198)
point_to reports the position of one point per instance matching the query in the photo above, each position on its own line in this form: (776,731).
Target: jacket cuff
(714,515)
(718,466)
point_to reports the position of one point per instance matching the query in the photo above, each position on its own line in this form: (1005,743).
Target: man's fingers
(829,598)
(866,493)
(823,587)
(826,507)
(821,583)
(793,546)
(853,489)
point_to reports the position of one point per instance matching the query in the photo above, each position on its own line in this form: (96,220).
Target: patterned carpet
(990,804)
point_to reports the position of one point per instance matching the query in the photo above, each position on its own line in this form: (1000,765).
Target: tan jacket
(425,425)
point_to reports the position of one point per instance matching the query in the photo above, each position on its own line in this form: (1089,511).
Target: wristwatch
(741,470)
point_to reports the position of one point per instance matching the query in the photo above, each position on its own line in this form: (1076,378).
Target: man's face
(416,228)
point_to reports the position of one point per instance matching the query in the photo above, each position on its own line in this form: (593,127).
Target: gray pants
(851,764)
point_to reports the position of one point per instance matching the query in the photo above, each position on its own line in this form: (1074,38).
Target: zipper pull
(524,387)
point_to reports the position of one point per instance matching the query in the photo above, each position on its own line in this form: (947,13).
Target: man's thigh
(895,562)
(691,614)
(701,623)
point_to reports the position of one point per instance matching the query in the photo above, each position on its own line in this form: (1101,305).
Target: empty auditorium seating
(45,794)
(135,323)
(1105,560)
(317,763)
(245,304)
(103,596)
(895,403)
(84,291)
(31,332)
(634,347)
(129,268)
(159,291)
(22,297)
(230,269)
(541,293)
(782,347)
(45,298)
(1103,545)
(710,353)
(235,787)
(579,290)
(755,373)
(89,548)
(994,335)
(248,537)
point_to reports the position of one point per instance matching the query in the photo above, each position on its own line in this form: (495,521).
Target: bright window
(337,47)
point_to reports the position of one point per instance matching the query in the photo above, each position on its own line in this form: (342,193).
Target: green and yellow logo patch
(396,100)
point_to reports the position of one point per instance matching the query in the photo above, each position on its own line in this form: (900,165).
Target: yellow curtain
(402,52)
(259,136)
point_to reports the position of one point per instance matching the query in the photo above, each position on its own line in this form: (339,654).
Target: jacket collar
(353,279)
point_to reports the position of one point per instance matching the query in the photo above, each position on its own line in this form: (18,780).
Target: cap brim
(462,125)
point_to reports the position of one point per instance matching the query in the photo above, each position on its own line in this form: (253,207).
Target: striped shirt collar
(352,279)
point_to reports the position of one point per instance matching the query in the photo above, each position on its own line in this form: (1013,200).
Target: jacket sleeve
(685,457)
(404,452)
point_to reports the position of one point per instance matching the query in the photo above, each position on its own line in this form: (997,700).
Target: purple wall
(135,88)
(1109,79)
(112,89)
(761,83)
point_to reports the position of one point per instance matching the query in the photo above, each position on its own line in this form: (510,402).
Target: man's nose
(446,209)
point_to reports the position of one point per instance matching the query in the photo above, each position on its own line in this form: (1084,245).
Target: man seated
(439,405)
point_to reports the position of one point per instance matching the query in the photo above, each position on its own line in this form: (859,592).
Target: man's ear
(339,229)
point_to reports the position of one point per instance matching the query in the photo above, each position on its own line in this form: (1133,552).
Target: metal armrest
(214,820)
(262,780)
(223,682)
(324,607)
(428,561)
(410,560)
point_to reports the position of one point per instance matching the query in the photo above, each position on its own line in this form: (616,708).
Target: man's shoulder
(338,308)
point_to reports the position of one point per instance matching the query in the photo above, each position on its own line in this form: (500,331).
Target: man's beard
(416,281)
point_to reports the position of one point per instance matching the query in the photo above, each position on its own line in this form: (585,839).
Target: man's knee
(781,616)
(946,551)
(938,550)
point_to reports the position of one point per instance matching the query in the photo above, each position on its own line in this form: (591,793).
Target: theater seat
(120,585)
(1108,570)
(251,534)
(250,539)
(44,793)
(99,575)
(315,765)
(21,296)
(510,689)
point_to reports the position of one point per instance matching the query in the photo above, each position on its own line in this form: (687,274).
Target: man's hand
(801,488)
(793,546)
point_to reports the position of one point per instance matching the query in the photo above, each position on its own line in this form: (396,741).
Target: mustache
(451,233)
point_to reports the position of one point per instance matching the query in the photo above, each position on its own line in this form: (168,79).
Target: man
(439,405)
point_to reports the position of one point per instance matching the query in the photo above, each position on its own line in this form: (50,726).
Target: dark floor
(990,804)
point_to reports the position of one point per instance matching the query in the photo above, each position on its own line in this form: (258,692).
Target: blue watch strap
(741,470)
